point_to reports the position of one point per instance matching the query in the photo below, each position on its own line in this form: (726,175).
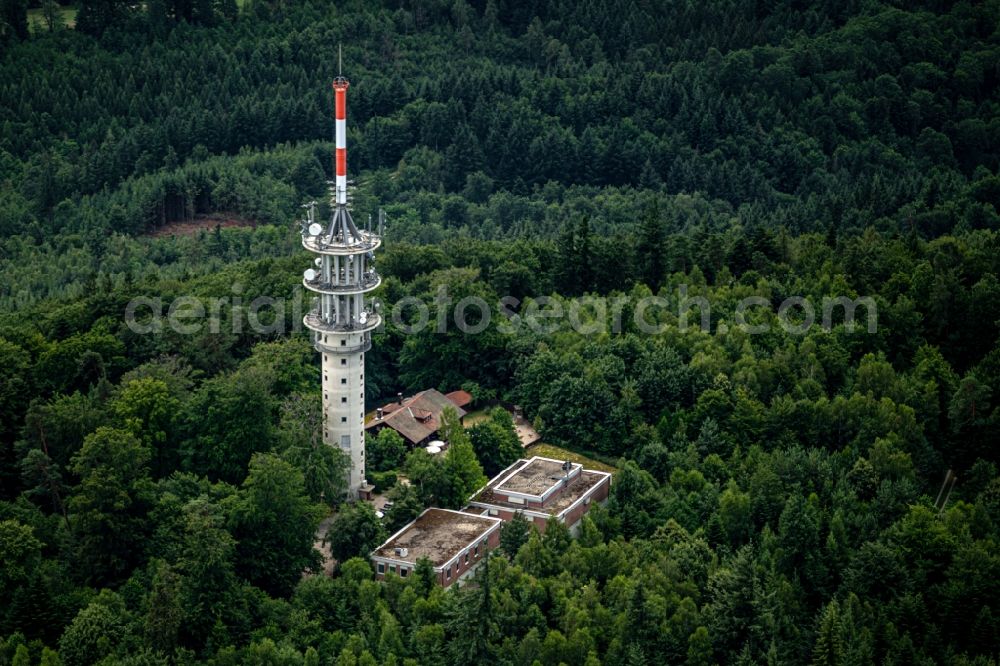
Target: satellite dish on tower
(315,229)
(318,261)
(309,275)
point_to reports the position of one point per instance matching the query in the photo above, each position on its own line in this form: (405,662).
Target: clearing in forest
(206,222)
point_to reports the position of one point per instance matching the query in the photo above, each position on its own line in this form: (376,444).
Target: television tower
(341,320)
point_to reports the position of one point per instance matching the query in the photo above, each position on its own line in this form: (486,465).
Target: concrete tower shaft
(341,318)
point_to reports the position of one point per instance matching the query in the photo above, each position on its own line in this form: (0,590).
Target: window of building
(392,568)
(381,568)
(403,571)
(343,399)
(447,574)
(477,550)
(343,380)
(343,419)
(343,343)
(343,361)
(466,557)
(586,500)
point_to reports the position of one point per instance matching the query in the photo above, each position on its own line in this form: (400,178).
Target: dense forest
(776,499)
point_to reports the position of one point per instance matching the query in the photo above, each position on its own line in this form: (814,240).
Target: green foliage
(14,20)
(107,508)
(207,590)
(461,466)
(354,532)
(274,523)
(147,408)
(829,648)
(444,354)
(21,554)
(514,533)
(94,632)
(165,615)
(406,506)
(230,418)
(385,451)
(14,386)
(382,481)
(446,480)
(323,467)
(495,441)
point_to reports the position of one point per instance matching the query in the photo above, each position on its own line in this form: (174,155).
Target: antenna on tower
(340,59)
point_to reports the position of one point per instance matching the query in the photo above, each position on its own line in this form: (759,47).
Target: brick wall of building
(599,494)
(463,565)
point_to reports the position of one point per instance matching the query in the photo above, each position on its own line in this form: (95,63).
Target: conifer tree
(829,647)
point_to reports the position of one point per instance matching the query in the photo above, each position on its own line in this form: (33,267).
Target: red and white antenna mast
(340,85)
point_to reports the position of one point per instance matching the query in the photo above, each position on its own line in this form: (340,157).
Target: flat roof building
(540,488)
(454,542)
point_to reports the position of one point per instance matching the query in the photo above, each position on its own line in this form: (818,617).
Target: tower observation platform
(341,318)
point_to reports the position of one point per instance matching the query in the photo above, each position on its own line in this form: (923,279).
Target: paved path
(525,432)
(329,564)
